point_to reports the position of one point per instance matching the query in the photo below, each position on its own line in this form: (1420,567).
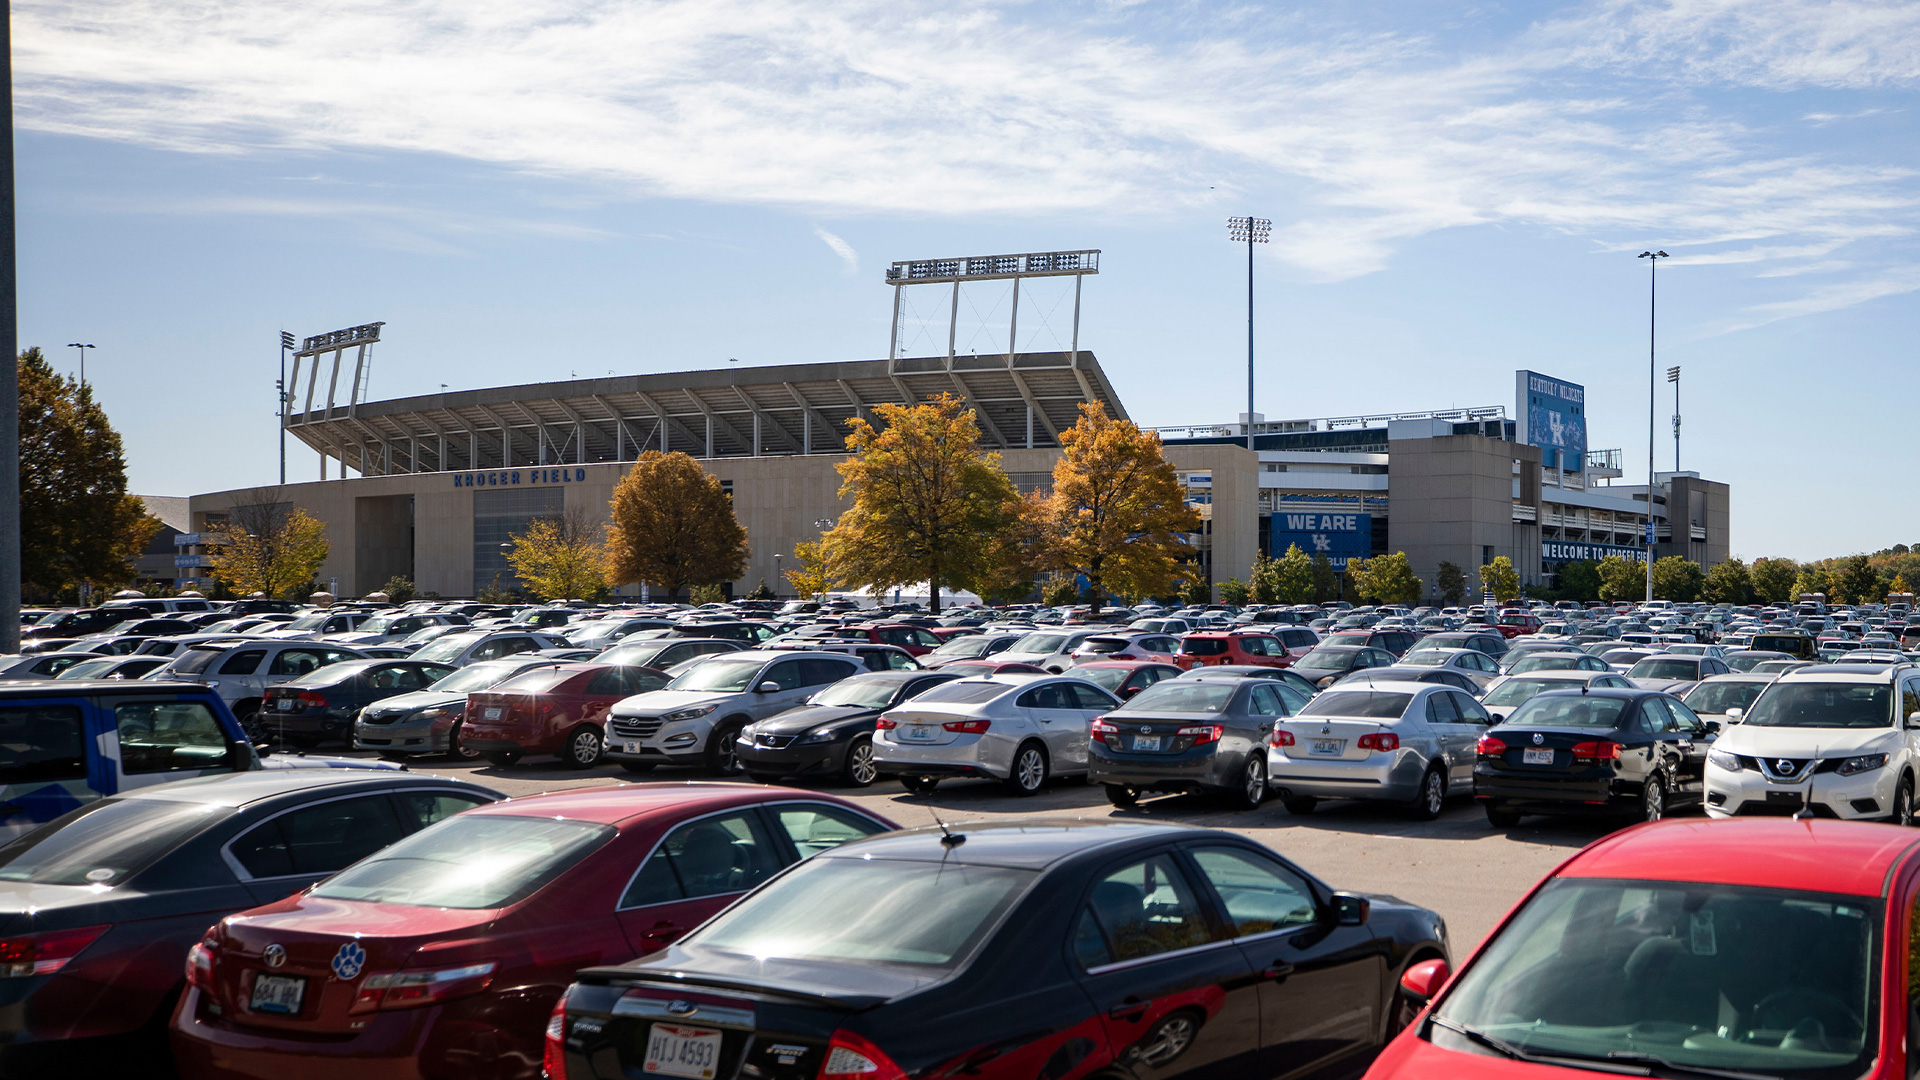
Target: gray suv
(695,720)
(241,671)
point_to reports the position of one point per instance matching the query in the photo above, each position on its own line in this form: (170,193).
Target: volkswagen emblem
(1146,731)
(273,955)
(1538,738)
(682,1007)
(1784,767)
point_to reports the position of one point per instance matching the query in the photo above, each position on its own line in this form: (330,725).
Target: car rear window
(1179,696)
(1199,646)
(964,692)
(195,661)
(1655,668)
(105,843)
(469,862)
(1365,703)
(1564,709)
(43,743)
(537,681)
(923,914)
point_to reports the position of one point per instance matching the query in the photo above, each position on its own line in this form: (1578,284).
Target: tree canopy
(1500,578)
(673,526)
(561,558)
(273,547)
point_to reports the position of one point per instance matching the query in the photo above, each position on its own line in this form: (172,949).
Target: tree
(1117,513)
(1358,585)
(1899,584)
(673,526)
(1579,580)
(1729,582)
(1813,579)
(709,593)
(1390,580)
(1293,576)
(1451,582)
(1622,579)
(1325,581)
(762,591)
(273,547)
(928,505)
(1233,591)
(1059,590)
(810,577)
(399,589)
(1263,585)
(77,522)
(1500,578)
(1196,592)
(1773,579)
(1678,579)
(1860,582)
(562,557)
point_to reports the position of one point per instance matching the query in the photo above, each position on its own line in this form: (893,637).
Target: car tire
(503,758)
(1252,791)
(764,777)
(1432,796)
(919,785)
(248,714)
(1122,796)
(1903,802)
(457,747)
(1501,817)
(393,755)
(638,768)
(583,748)
(302,742)
(1029,773)
(1173,1036)
(722,759)
(1653,799)
(1299,805)
(859,770)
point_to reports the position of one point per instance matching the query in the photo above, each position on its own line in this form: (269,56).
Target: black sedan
(322,704)
(1204,735)
(99,907)
(1328,664)
(1306,687)
(1640,752)
(1016,950)
(832,734)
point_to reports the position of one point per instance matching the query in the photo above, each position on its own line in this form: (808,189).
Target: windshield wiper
(1664,1065)
(1506,1049)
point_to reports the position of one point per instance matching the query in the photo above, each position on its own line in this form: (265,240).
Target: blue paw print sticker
(349,960)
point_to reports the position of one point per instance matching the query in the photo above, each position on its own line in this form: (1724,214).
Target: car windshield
(195,661)
(475,677)
(106,842)
(311,621)
(1543,662)
(89,669)
(1718,697)
(720,675)
(967,646)
(379,624)
(1515,691)
(481,861)
(1178,696)
(1760,982)
(922,914)
(1040,643)
(537,680)
(1108,678)
(447,647)
(1326,661)
(1655,667)
(858,693)
(1567,709)
(1427,658)
(594,631)
(1822,705)
(964,692)
(1366,703)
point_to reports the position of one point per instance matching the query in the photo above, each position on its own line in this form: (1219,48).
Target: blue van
(65,744)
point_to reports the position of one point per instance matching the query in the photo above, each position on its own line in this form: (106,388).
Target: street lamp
(1251,231)
(1673,376)
(1653,276)
(83,359)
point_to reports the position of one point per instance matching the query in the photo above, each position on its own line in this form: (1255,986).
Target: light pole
(1673,376)
(280,390)
(777,579)
(83,359)
(1251,231)
(1653,279)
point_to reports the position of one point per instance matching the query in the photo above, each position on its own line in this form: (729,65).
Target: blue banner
(1553,416)
(1337,536)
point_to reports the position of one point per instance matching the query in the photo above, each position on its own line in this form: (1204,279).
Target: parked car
(1674,672)
(79,624)
(47,665)
(101,905)
(696,718)
(113,667)
(313,624)
(663,653)
(1188,735)
(1412,744)
(1024,949)
(474,646)
(559,710)
(1725,698)
(242,671)
(1509,692)
(1410,673)
(1472,663)
(1124,678)
(972,647)
(1299,683)
(322,705)
(430,720)
(444,954)
(872,657)
(1328,664)
(916,640)
(1211,648)
(1159,648)
(392,629)
(1552,660)
(1604,751)
(1049,650)
(1396,642)
(1017,729)
(831,734)
(601,633)
(1485,641)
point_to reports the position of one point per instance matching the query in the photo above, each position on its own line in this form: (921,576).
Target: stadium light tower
(280,390)
(1673,376)
(1653,278)
(1251,231)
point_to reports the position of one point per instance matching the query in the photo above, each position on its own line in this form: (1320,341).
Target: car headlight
(434,713)
(689,714)
(823,735)
(1724,760)
(1853,766)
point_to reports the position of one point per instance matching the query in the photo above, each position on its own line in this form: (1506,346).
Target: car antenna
(948,838)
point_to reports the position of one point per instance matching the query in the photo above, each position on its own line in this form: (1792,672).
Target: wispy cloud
(841,248)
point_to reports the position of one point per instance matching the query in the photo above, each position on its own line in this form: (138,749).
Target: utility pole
(1673,376)
(1653,264)
(1251,230)
(10,380)
(280,388)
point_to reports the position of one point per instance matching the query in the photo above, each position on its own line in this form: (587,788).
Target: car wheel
(392,755)
(583,748)
(504,758)
(457,747)
(722,758)
(1122,796)
(920,785)
(248,713)
(1253,785)
(1653,799)
(1501,817)
(1903,802)
(859,769)
(1432,796)
(1169,1039)
(302,742)
(1029,773)
(1299,804)
(638,767)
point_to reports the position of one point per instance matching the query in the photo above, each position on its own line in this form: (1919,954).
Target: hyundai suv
(697,717)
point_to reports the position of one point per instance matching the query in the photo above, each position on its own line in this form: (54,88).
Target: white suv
(1841,737)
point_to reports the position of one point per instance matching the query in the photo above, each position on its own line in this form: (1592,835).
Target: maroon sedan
(1124,678)
(553,710)
(444,954)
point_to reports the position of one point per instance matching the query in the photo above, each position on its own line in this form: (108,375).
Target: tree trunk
(1094,592)
(933,600)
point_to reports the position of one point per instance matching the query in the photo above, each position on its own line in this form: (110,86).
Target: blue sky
(535,189)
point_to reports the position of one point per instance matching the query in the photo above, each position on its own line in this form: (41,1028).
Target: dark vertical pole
(1250,339)
(1653,280)
(280,389)
(10,379)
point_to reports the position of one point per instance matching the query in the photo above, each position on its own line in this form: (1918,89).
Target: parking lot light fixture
(83,359)
(1653,263)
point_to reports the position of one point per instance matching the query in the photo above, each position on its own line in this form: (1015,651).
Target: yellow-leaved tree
(561,558)
(1116,513)
(273,547)
(810,578)
(673,526)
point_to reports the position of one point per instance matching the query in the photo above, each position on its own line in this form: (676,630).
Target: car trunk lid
(1322,738)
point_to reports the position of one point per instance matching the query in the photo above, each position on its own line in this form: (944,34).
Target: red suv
(1207,648)
(1512,626)
(917,640)
(552,710)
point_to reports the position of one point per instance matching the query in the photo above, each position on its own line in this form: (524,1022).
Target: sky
(548,188)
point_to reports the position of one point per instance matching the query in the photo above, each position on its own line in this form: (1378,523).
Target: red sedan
(1745,948)
(1124,678)
(553,710)
(444,954)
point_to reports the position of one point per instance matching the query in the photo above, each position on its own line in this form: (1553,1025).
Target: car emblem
(1784,767)
(1538,738)
(682,1007)
(273,955)
(1146,731)
(349,960)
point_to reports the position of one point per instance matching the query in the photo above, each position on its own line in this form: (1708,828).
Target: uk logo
(349,960)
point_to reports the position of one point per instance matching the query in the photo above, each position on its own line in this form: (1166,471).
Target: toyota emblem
(1783,767)
(273,955)
(1538,738)
(1146,731)
(682,1007)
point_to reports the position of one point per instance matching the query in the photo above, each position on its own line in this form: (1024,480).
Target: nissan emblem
(1783,767)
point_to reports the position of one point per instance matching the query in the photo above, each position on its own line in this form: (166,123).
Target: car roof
(1028,845)
(1777,853)
(1128,664)
(612,804)
(1560,675)
(239,789)
(68,687)
(1851,673)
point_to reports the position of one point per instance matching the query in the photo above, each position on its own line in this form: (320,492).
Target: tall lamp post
(83,359)
(1673,376)
(1653,278)
(280,389)
(1250,231)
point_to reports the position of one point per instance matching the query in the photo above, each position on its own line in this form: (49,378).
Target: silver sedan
(1017,729)
(1405,742)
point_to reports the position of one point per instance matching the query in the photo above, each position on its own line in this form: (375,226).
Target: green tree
(710,593)
(561,558)
(1451,583)
(1325,582)
(1813,579)
(1860,582)
(1234,591)
(77,522)
(1579,580)
(1359,579)
(1729,582)
(399,588)
(1264,582)
(1773,579)
(1677,579)
(1500,578)
(1391,579)
(1196,592)
(762,591)
(1622,579)
(673,526)
(1293,576)
(1059,590)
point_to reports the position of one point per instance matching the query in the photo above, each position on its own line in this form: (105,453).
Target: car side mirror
(1128,691)
(1351,910)
(1734,714)
(1424,979)
(1712,726)
(768,687)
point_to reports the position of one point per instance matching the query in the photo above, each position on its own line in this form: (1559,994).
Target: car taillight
(1597,750)
(886,723)
(850,1057)
(1102,729)
(43,954)
(1488,746)
(553,1060)
(200,966)
(1379,740)
(1281,737)
(968,727)
(1203,733)
(311,700)
(412,989)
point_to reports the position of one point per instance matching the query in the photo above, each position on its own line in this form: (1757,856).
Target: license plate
(918,733)
(278,993)
(1536,757)
(1146,742)
(1328,747)
(284,704)
(491,714)
(630,748)
(673,1050)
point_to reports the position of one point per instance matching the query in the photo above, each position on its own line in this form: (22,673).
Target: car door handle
(11,808)
(1278,971)
(1130,1009)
